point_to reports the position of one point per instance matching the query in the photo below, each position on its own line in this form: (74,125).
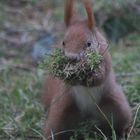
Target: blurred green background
(26,26)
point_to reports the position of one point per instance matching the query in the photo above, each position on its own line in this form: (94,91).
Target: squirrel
(68,105)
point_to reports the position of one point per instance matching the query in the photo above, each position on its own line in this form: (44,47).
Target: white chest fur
(87,98)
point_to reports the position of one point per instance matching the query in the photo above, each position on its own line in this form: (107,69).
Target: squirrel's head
(80,33)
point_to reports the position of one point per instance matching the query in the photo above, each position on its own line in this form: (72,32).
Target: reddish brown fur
(91,20)
(68,12)
(67,107)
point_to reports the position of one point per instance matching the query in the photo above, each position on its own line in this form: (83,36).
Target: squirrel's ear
(69,11)
(91,19)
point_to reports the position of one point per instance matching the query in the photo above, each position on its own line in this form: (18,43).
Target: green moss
(69,70)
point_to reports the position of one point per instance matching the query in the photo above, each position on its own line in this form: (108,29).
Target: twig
(17,67)
(61,132)
(105,138)
(52,135)
(123,74)
(100,110)
(39,134)
(131,129)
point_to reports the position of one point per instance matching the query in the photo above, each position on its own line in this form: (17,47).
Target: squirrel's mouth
(73,56)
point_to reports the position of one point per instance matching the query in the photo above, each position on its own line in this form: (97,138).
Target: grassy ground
(21,112)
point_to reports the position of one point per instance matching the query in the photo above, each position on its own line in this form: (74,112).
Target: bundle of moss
(72,71)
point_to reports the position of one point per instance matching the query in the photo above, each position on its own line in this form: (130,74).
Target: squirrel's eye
(63,43)
(88,44)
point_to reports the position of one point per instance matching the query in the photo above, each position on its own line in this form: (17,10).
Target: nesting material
(72,71)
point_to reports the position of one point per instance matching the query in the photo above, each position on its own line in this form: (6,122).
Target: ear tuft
(69,11)
(91,19)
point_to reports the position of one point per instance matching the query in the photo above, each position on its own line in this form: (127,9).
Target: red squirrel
(68,105)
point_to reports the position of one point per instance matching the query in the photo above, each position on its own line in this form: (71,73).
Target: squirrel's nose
(72,56)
